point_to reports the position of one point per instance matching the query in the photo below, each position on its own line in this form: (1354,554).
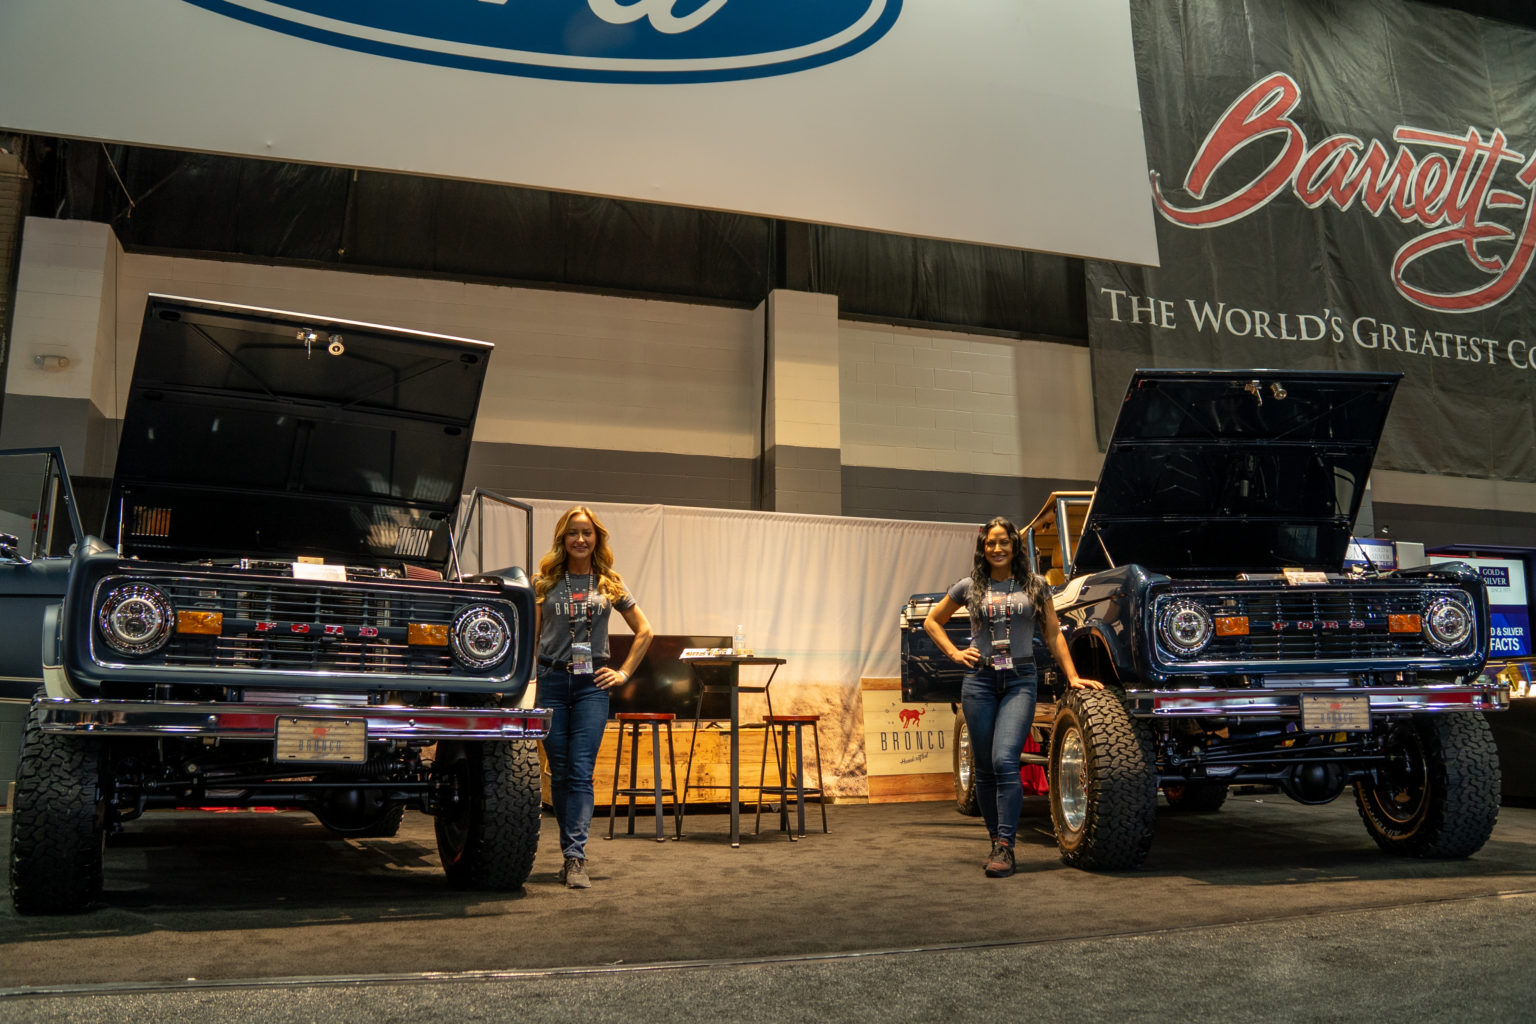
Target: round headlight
(1447,623)
(1185,627)
(136,619)
(480,637)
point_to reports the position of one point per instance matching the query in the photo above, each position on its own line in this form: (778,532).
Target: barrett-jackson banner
(1340,186)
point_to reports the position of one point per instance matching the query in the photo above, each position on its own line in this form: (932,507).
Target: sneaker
(1000,864)
(574,874)
(991,850)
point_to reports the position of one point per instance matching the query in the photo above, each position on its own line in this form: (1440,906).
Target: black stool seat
(632,722)
(778,727)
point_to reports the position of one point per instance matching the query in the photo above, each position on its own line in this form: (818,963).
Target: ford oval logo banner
(587,40)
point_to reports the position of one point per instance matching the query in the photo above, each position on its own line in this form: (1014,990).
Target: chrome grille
(319,654)
(332,618)
(1297,625)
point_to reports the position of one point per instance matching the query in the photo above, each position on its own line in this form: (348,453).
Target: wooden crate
(906,746)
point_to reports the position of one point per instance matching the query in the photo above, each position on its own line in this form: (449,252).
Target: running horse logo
(911,716)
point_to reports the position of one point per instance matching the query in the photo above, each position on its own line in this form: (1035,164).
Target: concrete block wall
(15,193)
(960,427)
(64,298)
(803,435)
(1454,510)
(594,397)
(589,397)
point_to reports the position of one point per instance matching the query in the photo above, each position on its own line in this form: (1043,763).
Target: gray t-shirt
(1007,610)
(574,606)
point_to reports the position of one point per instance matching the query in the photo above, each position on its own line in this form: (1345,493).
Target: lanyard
(586,605)
(1007,614)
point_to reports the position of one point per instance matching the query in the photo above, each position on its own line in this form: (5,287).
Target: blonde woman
(576,589)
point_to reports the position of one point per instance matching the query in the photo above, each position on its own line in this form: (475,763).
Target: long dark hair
(981,571)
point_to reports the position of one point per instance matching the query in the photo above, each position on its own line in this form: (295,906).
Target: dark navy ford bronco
(1203,582)
(273,613)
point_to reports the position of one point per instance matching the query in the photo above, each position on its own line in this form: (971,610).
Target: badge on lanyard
(1000,606)
(581,650)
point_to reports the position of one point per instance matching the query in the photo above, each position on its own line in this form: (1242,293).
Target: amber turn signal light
(204,623)
(422,634)
(1404,624)
(1231,625)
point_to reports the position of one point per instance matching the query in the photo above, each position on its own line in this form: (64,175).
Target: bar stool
(778,727)
(632,721)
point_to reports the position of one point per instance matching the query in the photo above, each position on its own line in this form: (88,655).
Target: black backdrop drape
(1340,185)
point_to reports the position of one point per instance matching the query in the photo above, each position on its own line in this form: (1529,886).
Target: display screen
(1509,610)
(1378,555)
(664,683)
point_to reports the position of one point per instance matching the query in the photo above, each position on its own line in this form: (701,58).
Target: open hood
(263,434)
(1227,471)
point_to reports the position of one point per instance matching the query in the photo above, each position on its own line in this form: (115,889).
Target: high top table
(731,684)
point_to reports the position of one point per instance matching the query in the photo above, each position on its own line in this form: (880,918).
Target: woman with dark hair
(576,589)
(1006,604)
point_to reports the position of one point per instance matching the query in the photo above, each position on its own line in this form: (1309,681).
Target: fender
(1093,636)
(55,681)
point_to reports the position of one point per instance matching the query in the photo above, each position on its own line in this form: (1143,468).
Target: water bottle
(739,641)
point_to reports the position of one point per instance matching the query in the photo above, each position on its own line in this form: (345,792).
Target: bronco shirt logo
(586,40)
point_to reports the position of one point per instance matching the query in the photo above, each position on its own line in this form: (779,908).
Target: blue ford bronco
(1203,582)
(273,612)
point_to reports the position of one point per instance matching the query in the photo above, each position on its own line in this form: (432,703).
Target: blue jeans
(999,710)
(579,715)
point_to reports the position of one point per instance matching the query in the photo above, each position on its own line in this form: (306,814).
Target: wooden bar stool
(631,722)
(778,727)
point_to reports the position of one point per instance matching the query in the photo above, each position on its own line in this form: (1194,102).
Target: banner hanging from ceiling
(988,121)
(1340,186)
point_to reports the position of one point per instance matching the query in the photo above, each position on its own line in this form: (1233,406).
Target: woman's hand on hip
(607,678)
(968,657)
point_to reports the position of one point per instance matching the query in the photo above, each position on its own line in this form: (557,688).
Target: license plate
(324,740)
(1335,714)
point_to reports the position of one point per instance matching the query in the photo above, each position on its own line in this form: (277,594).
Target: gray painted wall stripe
(946,497)
(540,471)
(809,480)
(1437,526)
(585,474)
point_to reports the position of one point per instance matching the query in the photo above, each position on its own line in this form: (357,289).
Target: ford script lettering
(629,41)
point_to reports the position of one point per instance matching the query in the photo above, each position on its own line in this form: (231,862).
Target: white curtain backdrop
(822,592)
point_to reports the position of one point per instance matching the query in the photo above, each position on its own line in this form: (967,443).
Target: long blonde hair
(552,565)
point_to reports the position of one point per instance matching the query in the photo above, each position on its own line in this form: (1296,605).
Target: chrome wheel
(1072,797)
(965,769)
(966,773)
(1103,782)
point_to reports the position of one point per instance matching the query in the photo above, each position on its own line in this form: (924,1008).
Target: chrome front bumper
(1286,702)
(259,721)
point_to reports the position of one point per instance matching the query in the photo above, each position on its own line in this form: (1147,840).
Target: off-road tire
(1199,797)
(1439,794)
(57,823)
(965,769)
(1103,783)
(488,832)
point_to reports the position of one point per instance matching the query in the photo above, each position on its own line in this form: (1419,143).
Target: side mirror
(10,547)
